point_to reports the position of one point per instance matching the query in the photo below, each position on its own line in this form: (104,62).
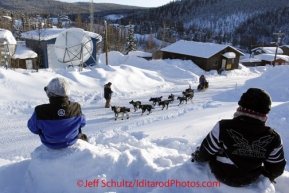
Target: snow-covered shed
(42,41)
(24,57)
(207,56)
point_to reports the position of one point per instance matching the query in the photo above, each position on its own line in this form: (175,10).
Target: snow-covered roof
(250,60)
(270,57)
(287,46)
(269,50)
(198,49)
(229,55)
(140,54)
(8,36)
(23,52)
(50,33)
(7,17)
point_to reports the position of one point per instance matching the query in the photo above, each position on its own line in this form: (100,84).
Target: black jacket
(237,149)
(107,92)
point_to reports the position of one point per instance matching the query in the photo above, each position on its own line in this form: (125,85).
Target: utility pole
(91,16)
(105,43)
(277,44)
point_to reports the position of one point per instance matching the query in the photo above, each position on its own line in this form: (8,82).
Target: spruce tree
(130,41)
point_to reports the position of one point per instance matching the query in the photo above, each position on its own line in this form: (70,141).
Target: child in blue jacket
(59,122)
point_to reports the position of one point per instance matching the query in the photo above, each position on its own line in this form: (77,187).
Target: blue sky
(141,3)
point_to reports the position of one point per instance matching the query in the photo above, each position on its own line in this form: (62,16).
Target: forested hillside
(53,7)
(239,22)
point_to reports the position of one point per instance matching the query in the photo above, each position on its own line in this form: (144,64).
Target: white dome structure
(73,46)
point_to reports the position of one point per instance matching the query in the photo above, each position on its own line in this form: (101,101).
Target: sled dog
(120,110)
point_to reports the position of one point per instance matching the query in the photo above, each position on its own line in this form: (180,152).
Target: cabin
(42,41)
(207,56)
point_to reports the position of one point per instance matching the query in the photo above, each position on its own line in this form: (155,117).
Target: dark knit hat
(57,87)
(257,100)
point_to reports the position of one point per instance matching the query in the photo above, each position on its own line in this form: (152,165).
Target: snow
(23,52)
(50,33)
(143,150)
(269,50)
(8,36)
(140,54)
(270,57)
(198,49)
(229,55)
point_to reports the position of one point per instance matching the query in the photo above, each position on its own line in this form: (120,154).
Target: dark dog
(146,107)
(136,104)
(189,96)
(165,103)
(171,98)
(156,100)
(182,100)
(120,110)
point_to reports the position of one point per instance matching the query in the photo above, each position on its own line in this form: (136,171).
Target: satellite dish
(73,46)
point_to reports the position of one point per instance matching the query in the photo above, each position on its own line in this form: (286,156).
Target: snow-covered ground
(145,153)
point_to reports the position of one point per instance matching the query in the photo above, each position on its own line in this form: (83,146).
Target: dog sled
(203,87)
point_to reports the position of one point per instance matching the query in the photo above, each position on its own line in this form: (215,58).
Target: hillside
(53,7)
(217,21)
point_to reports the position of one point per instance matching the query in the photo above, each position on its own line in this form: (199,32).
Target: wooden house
(207,56)
(42,42)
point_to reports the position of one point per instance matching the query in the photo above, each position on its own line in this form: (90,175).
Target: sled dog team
(188,94)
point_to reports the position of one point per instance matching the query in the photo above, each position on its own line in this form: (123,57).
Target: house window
(233,61)
(215,63)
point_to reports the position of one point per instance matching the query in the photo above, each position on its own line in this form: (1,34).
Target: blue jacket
(58,123)
(202,80)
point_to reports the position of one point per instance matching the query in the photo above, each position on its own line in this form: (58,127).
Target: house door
(223,63)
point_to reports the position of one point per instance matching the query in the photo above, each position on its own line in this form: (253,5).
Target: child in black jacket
(239,150)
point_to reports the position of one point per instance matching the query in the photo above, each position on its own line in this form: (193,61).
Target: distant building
(207,56)
(42,42)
